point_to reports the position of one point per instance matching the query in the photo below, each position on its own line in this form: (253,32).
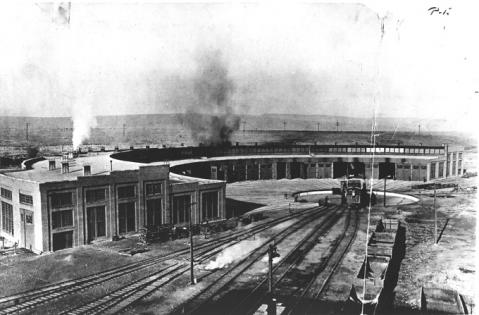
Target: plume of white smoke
(83,120)
(233,253)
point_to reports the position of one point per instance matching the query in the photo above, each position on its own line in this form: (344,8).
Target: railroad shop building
(70,202)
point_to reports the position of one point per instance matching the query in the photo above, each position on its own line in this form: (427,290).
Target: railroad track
(259,294)
(313,290)
(33,298)
(203,303)
(130,294)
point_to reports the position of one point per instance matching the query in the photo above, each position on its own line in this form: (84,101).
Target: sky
(351,59)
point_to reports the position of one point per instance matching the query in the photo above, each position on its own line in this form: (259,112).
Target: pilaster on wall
(288,170)
(317,170)
(246,171)
(332,169)
(274,170)
(437,170)
(225,172)
(451,164)
(222,205)
(444,169)
(428,172)
(259,170)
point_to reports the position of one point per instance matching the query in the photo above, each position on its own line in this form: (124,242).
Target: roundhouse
(67,202)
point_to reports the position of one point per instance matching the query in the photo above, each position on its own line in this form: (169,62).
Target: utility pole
(435,216)
(337,126)
(192,274)
(26,130)
(385,191)
(272,253)
(419,129)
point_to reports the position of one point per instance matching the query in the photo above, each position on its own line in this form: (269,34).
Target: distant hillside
(169,129)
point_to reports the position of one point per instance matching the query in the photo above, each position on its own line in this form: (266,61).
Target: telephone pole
(192,274)
(26,130)
(435,216)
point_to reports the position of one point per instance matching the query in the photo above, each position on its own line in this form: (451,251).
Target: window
(126,217)
(7,218)
(26,199)
(181,209)
(61,200)
(415,167)
(62,219)
(96,223)
(153,189)
(126,191)
(153,211)
(399,166)
(423,167)
(209,205)
(7,194)
(95,195)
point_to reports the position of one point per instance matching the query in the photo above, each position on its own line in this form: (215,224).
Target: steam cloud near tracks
(234,253)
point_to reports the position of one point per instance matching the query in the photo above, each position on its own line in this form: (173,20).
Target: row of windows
(407,166)
(65,199)
(23,198)
(385,150)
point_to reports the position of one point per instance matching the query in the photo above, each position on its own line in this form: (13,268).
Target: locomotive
(354,192)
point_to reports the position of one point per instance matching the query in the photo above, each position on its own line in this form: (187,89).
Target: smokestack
(65,168)
(51,165)
(86,170)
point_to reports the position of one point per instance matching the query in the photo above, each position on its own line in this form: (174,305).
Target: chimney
(116,148)
(86,170)
(132,147)
(102,149)
(147,146)
(51,165)
(65,167)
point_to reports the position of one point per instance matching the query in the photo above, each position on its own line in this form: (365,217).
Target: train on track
(354,193)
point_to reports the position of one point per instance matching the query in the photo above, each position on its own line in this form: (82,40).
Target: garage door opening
(62,240)
(387,170)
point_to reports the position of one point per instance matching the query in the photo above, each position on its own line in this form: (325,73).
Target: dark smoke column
(211,118)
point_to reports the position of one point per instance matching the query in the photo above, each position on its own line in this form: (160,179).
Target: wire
(373,140)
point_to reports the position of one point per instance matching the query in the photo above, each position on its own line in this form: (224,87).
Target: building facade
(48,215)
